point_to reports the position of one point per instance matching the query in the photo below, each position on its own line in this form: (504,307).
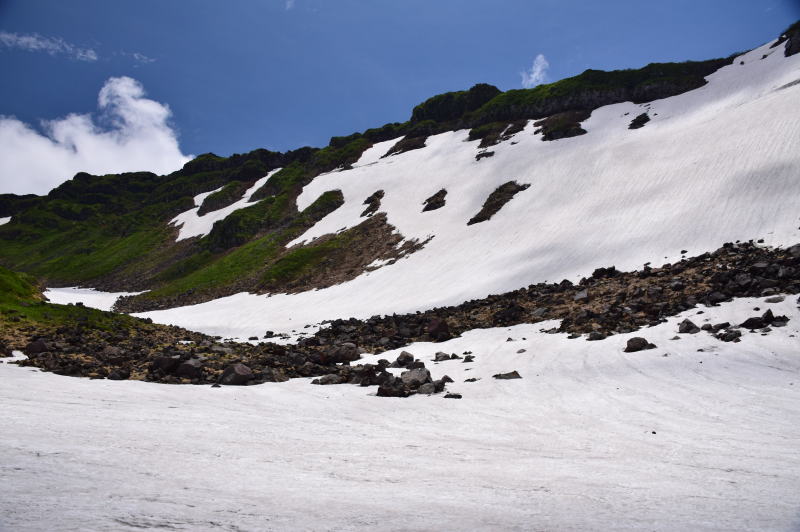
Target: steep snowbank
(716,164)
(590,438)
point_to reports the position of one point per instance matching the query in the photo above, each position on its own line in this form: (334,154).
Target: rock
(593,336)
(236,375)
(731,335)
(438,330)
(507,376)
(687,327)
(794,251)
(414,378)
(469,358)
(341,353)
(581,297)
(446,379)
(774,299)
(637,343)
(720,326)
(452,396)
(428,388)
(190,369)
(165,363)
(36,347)
(392,388)
(404,359)
(119,374)
(331,378)
(441,357)
(706,327)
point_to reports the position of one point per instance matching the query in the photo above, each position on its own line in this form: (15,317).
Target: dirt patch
(406,144)
(373,203)
(436,201)
(496,200)
(562,125)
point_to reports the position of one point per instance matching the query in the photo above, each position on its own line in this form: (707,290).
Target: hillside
(219,227)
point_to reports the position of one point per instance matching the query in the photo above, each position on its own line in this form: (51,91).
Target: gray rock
(441,357)
(414,378)
(190,369)
(404,359)
(36,347)
(774,299)
(341,353)
(582,296)
(236,375)
(507,376)
(637,343)
(428,388)
(688,327)
(331,378)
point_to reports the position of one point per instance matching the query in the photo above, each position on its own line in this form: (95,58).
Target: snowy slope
(191,224)
(5,220)
(716,164)
(590,439)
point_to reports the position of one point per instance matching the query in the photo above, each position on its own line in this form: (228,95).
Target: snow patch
(88,296)
(191,225)
(5,220)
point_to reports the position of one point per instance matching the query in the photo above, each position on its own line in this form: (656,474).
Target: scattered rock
(452,395)
(637,343)
(437,201)
(688,327)
(507,376)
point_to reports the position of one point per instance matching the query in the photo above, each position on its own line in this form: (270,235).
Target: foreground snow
(590,439)
(716,164)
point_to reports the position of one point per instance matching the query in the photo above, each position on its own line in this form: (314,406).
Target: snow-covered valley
(590,438)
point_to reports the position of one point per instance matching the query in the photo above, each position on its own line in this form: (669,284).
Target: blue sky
(243,74)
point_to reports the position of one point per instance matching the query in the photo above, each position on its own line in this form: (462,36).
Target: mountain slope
(716,164)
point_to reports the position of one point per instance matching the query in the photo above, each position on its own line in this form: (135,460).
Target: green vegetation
(230,193)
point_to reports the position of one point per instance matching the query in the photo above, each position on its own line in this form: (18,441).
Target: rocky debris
(414,378)
(619,303)
(236,375)
(452,395)
(5,351)
(496,200)
(436,201)
(637,343)
(331,378)
(484,155)
(507,376)
(438,330)
(441,357)
(562,125)
(765,320)
(774,299)
(373,203)
(639,121)
(688,327)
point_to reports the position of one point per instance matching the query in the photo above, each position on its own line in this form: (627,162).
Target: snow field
(716,164)
(88,296)
(590,438)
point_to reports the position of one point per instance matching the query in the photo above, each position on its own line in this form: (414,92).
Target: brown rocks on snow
(765,320)
(438,330)
(637,343)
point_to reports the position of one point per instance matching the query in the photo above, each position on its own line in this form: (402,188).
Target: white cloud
(537,74)
(137,137)
(289,4)
(33,42)
(141,58)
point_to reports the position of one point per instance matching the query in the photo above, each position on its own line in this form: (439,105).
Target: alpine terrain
(571,307)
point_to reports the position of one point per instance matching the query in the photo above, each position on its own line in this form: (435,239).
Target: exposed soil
(496,200)
(562,125)
(436,201)
(373,203)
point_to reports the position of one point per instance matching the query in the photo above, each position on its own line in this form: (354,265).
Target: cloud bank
(33,42)
(136,137)
(537,74)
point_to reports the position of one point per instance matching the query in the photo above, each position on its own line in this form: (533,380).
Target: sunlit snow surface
(716,164)
(590,439)
(5,220)
(88,296)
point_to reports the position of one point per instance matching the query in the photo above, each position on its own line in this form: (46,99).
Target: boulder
(452,395)
(428,388)
(165,363)
(36,347)
(236,375)
(441,357)
(190,369)
(404,359)
(331,378)
(438,330)
(414,378)
(341,353)
(688,327)
(637,343)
